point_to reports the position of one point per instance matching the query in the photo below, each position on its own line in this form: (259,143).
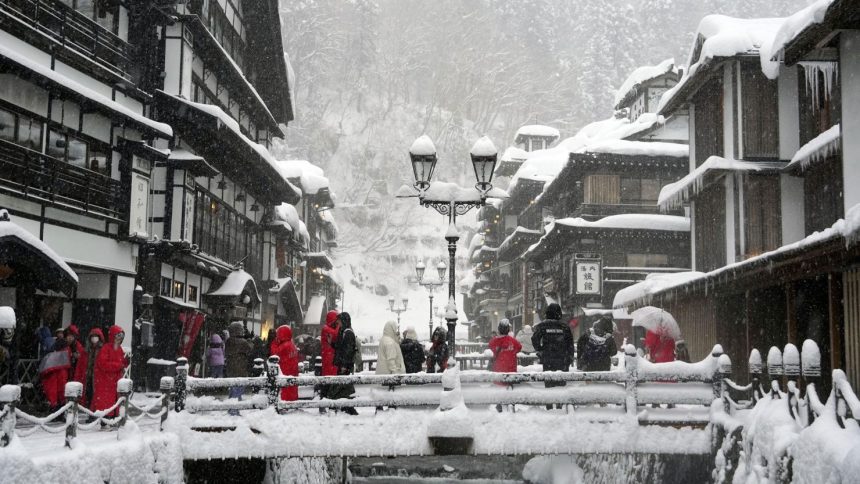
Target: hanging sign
(588,276)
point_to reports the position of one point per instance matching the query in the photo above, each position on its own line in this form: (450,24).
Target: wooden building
(771,175)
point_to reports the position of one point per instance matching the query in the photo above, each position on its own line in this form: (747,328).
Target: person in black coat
(553,343)
(344,353)
(437,360)
(413,352)
(596,347)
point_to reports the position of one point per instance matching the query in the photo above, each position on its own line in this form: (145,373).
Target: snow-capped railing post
(810,358)
(631,366)
(10,395)
(774,370)
(123,390)
(791,370)
(259,367)
(716,379)
(724,372)
(181,384)
(273,369)
(166,387)
(72,392)
(755,366)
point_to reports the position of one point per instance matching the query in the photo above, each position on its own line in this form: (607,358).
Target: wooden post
(836,320)
(10,396)
(123,389)
(631,366)
(73,392)
(273,369)
(259,367)
(181,382)
(166,387)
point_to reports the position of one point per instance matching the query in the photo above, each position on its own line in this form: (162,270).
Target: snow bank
(642,75)
(537,130)
(675,194)
(817,149)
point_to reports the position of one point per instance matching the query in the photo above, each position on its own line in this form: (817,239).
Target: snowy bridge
(639,408)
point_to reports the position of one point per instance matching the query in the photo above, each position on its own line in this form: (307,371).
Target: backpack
(594,352)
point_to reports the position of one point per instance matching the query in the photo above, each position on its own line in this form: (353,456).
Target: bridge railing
(638,383)
(14,421)
(784,370)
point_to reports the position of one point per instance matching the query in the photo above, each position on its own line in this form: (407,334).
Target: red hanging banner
(191,324)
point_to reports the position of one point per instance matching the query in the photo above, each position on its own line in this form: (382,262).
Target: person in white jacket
(525,339)
(389,358)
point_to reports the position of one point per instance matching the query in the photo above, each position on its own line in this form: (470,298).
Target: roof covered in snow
(638,148)
(536,130)
(635,221)
(817,149)
(310,177)
(235,284)
(20,247)
(640,76)
(652,284)
(798,25)
(512,153)
(676,194)
(719,36)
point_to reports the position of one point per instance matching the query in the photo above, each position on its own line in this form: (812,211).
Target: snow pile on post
(642,75)
(423,146)
(817,149)
(483,147)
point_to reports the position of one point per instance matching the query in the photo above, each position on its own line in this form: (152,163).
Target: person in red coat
(54,373)
(286,350)
(505,348)
(329,341)
(660,346)
(109,366)
(77,354)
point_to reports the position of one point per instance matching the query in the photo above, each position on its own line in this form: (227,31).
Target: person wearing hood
(389,357)
(660,346)
(412,351)
(95,341)
(505,348)
(437,360)
(46,340)
(597,347)
(286,350)
(553,343)
(77,354)
(344,360)
(524,336)
(237,354)
(215,356)
(110,363)
(328,339)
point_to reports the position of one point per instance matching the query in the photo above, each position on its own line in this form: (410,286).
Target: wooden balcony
(50,24)
(38,176)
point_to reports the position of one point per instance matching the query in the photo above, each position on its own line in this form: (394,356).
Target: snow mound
(483,147)
(423,146)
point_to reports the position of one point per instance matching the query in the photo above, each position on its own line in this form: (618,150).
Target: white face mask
(94,339)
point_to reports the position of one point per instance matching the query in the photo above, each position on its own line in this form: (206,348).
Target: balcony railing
(70,29)
(37,175)
(607,209)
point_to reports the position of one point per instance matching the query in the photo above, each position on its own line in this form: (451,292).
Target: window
(7,126)
(98,161)
(20,129)
(602,189)
(759,103)
(77,152)
(762,221)
(636,191)
(166,286)
(56,145)
(178,289)
(192,293)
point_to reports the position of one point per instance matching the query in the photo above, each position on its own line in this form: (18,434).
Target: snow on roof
(641,148)
(11,229)
(483,147)
(233,126)
(675,194)
(653,284)
(789,29)
(315,310)
(328,218)
(642,75)
(537,130)
(423,146)
(514,154)
(449,192)
(468,280)
(638,221)
(27,62)
(642,292)
(311,177)
(303,233)
(183,155)
(817,149)
(477,241)
(287,216)
(234,284)
(722,36)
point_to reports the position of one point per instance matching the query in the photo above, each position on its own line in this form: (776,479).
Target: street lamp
(431,286)
(399,310)
(422,154)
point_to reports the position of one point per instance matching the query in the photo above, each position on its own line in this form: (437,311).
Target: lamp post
(404,302)
(431,286)
(422,155)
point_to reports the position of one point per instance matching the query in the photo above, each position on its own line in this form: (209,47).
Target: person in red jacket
(505,348)
(54,373)
(110,363)
(286,350)
(660,346)
(77,354)
(329,341)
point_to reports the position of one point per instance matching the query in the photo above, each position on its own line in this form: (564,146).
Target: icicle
(829,71)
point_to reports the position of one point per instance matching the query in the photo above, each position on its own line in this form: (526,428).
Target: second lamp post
(431,286)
